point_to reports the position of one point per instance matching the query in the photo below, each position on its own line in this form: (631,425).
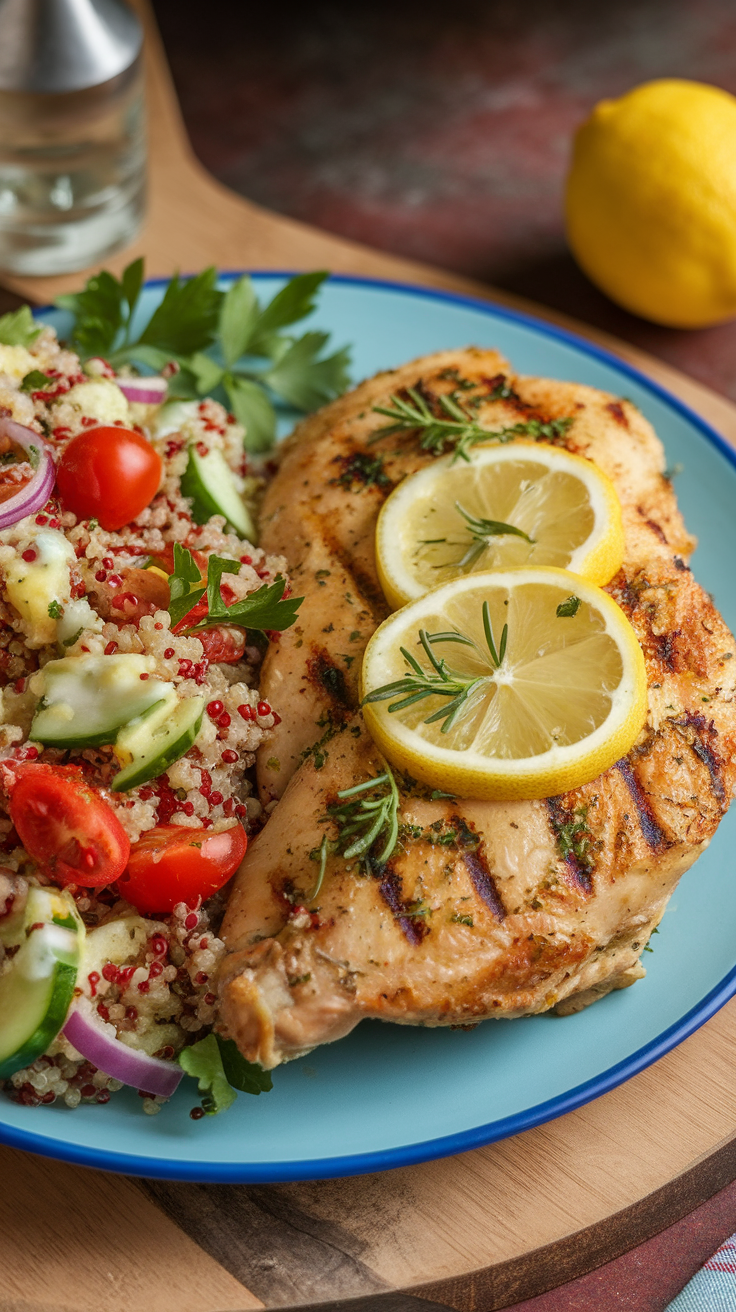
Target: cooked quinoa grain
(112,598)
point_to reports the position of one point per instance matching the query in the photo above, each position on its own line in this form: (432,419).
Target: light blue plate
(388,1095)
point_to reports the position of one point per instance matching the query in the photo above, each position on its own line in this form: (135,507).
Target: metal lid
(65,45)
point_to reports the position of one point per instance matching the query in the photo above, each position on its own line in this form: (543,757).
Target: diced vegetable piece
(37,985)
(149,745)
(209,481)
(86,699)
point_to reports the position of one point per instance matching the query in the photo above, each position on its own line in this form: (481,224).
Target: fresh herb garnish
(56,610)
(365,814)
(219,1069)
(573,837)
(36,381)
(647,946)
(567,609)
(184,322)
(19,328)
(440,680)
(244,1075)
(364,471)
(460,429)
(481,532)
(216,338)
(266,609)
(319,854)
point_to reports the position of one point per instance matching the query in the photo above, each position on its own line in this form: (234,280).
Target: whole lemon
(651,201)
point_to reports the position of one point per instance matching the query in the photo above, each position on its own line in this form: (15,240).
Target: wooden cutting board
(479,1231)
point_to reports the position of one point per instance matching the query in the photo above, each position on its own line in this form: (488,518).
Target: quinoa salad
(134,612)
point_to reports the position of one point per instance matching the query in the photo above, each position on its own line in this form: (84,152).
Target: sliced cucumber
(153,742)
(86,699)
(209,481)
(174,416)
(37,984)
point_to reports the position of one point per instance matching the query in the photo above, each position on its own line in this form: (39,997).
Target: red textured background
(442,131)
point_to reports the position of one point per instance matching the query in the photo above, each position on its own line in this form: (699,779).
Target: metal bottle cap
(54,46)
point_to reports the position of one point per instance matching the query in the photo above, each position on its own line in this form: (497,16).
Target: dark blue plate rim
(477,1137)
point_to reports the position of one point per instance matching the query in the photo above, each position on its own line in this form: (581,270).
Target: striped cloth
(713,1289)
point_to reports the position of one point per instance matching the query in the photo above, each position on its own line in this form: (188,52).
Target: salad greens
(18,327)
(264,609)
(220,1069)
(226,344)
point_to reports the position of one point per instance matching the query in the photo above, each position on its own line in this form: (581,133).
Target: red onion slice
(96,1040)
(35,494)
(146,391)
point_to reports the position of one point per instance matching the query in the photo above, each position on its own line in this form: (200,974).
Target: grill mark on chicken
(653,525)
(413,928)
(367,588)
(647,823)
(322,671)
(560,816)
(484,883)
(706,753)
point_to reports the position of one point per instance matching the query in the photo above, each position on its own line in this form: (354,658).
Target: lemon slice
(521,505)
(512,684)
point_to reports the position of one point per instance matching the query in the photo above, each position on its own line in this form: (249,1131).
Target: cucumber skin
(86,740)
(204,505)
(191,485)
(133,776)
(63,983)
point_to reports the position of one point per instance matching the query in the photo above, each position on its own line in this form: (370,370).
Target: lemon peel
(651,201)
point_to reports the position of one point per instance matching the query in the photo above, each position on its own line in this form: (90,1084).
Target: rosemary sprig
(440,680)
(320,854)
(365,813)
(460,429)
(481,531)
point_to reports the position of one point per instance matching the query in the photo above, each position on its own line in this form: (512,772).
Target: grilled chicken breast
(485,909)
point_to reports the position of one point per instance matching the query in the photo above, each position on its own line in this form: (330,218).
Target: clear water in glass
(72,174)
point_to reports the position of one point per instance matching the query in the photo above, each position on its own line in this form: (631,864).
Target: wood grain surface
(478,1231)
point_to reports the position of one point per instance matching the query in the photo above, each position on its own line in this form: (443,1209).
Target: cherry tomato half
(109,474)
(173,864)
(66,826)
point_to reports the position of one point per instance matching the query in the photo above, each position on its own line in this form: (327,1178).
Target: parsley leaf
(98,313)
(242,1074)
(36,381)
(238,318)
(216,338)
(294,302)
(186,319)
(204,1062)
(184,322)
(263,609)
(182,595)
(216,567)
(252,409)
(18,328)
(305,381)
